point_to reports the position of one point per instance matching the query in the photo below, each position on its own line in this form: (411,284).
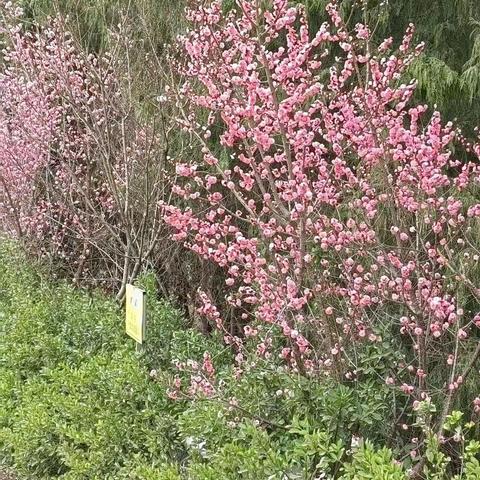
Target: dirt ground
(6,476)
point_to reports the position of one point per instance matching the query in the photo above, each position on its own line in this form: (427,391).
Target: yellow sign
(135,313)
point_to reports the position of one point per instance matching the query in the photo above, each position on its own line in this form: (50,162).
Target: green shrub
(369,464)
(77,402)
(90,421)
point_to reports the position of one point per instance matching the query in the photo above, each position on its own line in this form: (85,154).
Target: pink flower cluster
(70,155)
(201,382)
(49,95)
(337,201)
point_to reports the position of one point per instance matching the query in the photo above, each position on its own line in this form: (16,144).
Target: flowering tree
(337,208)
(78,181)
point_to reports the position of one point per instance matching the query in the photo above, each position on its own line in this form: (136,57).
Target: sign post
(135,314)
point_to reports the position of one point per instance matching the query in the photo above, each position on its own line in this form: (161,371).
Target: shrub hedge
(77,401)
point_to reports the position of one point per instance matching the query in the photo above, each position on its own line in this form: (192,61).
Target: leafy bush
(76,401)
(368,464)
